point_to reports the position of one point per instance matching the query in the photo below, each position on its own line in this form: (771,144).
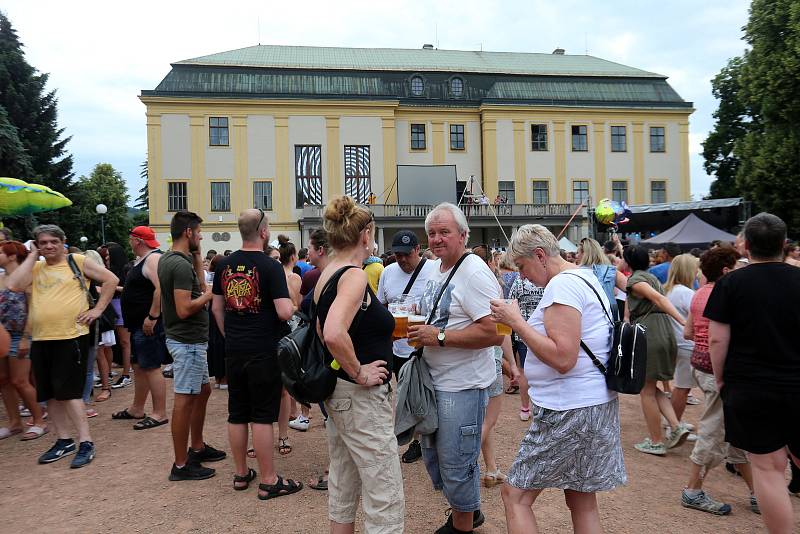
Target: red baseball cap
(146,234)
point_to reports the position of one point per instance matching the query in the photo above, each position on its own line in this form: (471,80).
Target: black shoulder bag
(108,318)
(627,362)
(302,356)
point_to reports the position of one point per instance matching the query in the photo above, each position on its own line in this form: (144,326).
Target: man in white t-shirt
(458,350)
(393,282)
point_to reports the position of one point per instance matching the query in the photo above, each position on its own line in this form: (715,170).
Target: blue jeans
(451,454)
(87,387)
(189,367)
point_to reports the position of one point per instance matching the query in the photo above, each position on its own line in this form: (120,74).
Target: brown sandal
(105,394)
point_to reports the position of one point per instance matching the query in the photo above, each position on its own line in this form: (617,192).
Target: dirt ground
(126,489)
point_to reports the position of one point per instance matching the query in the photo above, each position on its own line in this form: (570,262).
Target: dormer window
(456,87)
(417,86)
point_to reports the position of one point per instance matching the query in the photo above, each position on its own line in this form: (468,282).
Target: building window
(262,196)
(417,137)
(619,142)
(218,131)
(539,137)
(456,87)
(357,182)
(417,86)
(506,190)
(220,196)
(541,192)
(657,139)
(619,191)
(456,137)
(580,141)
(308,175)
(176,196)
(658,191)
(580,192)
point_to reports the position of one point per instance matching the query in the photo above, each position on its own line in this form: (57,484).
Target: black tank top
(370,331)
(137,295)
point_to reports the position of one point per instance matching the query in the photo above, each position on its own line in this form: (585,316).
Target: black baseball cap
(404,241)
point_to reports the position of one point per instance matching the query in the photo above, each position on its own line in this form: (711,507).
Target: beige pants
(363,458)
(710,449)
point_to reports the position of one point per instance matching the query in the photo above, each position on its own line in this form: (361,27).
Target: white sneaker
(301,423)
(122,382)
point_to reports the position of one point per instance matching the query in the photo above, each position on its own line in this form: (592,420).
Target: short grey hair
(458,216)
(51,229)
(528,238)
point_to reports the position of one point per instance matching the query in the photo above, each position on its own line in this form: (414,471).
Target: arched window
(456,87)
(417,86)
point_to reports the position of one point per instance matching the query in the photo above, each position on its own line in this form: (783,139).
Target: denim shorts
(13,350)
(148,352)
(451,454)
(496,388)
(189,366)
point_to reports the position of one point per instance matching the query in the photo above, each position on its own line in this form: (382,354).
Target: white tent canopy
(566,245)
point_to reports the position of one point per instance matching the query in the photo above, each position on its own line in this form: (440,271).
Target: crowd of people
(719,321)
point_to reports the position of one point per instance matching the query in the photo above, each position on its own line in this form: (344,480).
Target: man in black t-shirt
(251,302)
(754,320)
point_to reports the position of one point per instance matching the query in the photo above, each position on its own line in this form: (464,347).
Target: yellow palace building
(284,128)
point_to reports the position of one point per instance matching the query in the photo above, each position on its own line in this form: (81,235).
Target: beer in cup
(416,320)
(500,328)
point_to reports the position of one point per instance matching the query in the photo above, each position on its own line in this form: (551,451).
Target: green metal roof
(412,60)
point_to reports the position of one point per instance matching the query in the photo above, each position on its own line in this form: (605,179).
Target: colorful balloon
(21,198)
(604,212)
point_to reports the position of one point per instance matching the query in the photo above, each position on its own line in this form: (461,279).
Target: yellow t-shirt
(374,272)
(56,301)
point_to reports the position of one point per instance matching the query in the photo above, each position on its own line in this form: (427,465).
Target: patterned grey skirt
(576,449)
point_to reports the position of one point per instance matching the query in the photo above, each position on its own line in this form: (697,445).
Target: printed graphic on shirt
(443,310)
(241,288)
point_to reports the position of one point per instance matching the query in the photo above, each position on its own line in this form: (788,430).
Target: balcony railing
(420,211)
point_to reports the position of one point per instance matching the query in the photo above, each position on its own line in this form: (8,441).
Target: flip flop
(125,414)
(34,432)
(149,422)
(6,432)
(251,453)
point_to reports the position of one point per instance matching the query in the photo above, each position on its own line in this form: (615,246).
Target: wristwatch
(440,337)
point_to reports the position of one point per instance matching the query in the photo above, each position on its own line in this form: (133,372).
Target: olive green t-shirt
(175,271)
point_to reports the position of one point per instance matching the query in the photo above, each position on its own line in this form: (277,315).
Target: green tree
(30,116)
(757,136)
(103,186)
(143,200)
(730,127)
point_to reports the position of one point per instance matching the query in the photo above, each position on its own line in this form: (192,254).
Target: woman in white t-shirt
(574,440)
(681,278)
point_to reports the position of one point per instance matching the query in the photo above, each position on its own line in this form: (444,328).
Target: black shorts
(761,420)
(397,363)
(254,388)
(60,368)
(149,352)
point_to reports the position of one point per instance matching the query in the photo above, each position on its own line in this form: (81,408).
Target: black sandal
(320,484)
(244,479)
(279,489)
(283,447)
(148,422)
(125,414)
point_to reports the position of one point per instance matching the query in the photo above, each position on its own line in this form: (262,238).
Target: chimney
(427,47)
(558,52)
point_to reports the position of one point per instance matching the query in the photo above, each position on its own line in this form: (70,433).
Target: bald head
(251,222)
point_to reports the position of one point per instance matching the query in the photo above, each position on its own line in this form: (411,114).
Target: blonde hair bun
(340,209)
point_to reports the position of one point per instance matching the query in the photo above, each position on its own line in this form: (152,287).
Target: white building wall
(505,151)
(664,165)
(176,147)
(219,160)
(468,161)
(261,147)
(580,165)
(539,165)
(406,156)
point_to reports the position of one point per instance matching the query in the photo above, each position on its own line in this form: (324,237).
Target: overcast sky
(100,55)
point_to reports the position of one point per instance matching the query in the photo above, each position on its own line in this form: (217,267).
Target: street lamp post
(101,210)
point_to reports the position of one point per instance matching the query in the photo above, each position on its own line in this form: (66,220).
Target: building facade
(285,128)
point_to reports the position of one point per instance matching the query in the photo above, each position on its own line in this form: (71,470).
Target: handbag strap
(334,280)
(79,277)
(413,279)
(444,286)
(585,347)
